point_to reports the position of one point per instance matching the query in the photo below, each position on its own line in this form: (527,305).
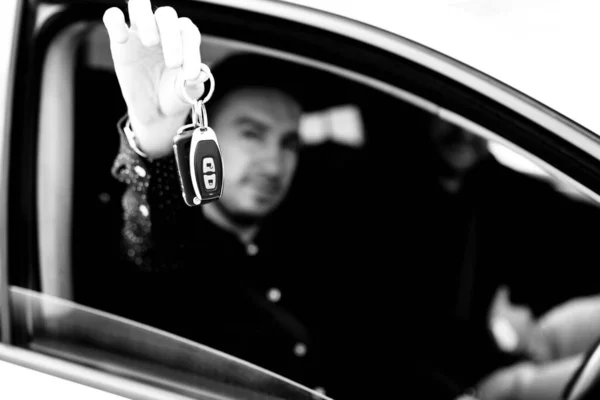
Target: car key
(198,155)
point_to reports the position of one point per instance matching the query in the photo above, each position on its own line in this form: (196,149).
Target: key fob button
(208,165)
(210,181)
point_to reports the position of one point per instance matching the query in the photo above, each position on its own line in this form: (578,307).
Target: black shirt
(263,302)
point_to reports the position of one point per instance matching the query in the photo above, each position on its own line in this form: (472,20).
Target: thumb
(189,91)
(177,94)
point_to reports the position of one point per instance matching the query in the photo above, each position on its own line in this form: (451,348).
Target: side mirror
(585,383)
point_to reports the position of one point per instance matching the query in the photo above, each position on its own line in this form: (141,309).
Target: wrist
(154,140)
(539,346)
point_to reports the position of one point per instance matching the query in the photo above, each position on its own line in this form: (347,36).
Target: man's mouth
(266,187)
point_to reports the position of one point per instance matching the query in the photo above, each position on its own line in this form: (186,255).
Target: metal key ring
(186,96)
(199,118)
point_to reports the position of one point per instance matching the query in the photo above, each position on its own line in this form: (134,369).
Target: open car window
(368,160)
(110,343)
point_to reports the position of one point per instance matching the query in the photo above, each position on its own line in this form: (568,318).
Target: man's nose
(272,160)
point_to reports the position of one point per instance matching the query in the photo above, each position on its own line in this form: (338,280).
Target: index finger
(142,20)
(115,24)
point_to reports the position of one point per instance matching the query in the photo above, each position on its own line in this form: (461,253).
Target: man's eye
(251,134)
(292,143)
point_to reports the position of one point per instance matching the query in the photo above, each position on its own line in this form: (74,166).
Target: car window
(370,154)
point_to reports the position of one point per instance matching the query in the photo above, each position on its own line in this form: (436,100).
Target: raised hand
(151,58)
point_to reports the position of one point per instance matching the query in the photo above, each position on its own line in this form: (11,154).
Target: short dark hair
(253,70)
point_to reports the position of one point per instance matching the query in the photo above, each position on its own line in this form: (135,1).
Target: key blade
(181,147)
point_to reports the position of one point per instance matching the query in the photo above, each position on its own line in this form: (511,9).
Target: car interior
(367,156)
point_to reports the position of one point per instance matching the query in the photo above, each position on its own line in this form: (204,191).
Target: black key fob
(200,166)
(206,165)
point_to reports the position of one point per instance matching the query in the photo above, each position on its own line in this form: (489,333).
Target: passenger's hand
(572,327)
(515,328)
(529,381)
(151,57)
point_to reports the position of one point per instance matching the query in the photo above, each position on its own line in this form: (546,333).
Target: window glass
(476,217)
(64,329)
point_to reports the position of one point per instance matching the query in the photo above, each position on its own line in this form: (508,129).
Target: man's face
(459,149)
(257,130)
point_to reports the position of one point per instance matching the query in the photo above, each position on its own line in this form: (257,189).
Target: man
(176,275)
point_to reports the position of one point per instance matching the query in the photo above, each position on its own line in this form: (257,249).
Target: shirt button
(300,349)
(140,171)
(104,197)
(144,210)
(252,249)
(274,295)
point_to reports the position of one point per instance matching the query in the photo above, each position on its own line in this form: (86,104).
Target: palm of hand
(147,85)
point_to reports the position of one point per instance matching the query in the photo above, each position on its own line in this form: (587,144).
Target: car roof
(546,49)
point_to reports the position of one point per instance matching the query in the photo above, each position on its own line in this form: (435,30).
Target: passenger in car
(490,237)
(463,184)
